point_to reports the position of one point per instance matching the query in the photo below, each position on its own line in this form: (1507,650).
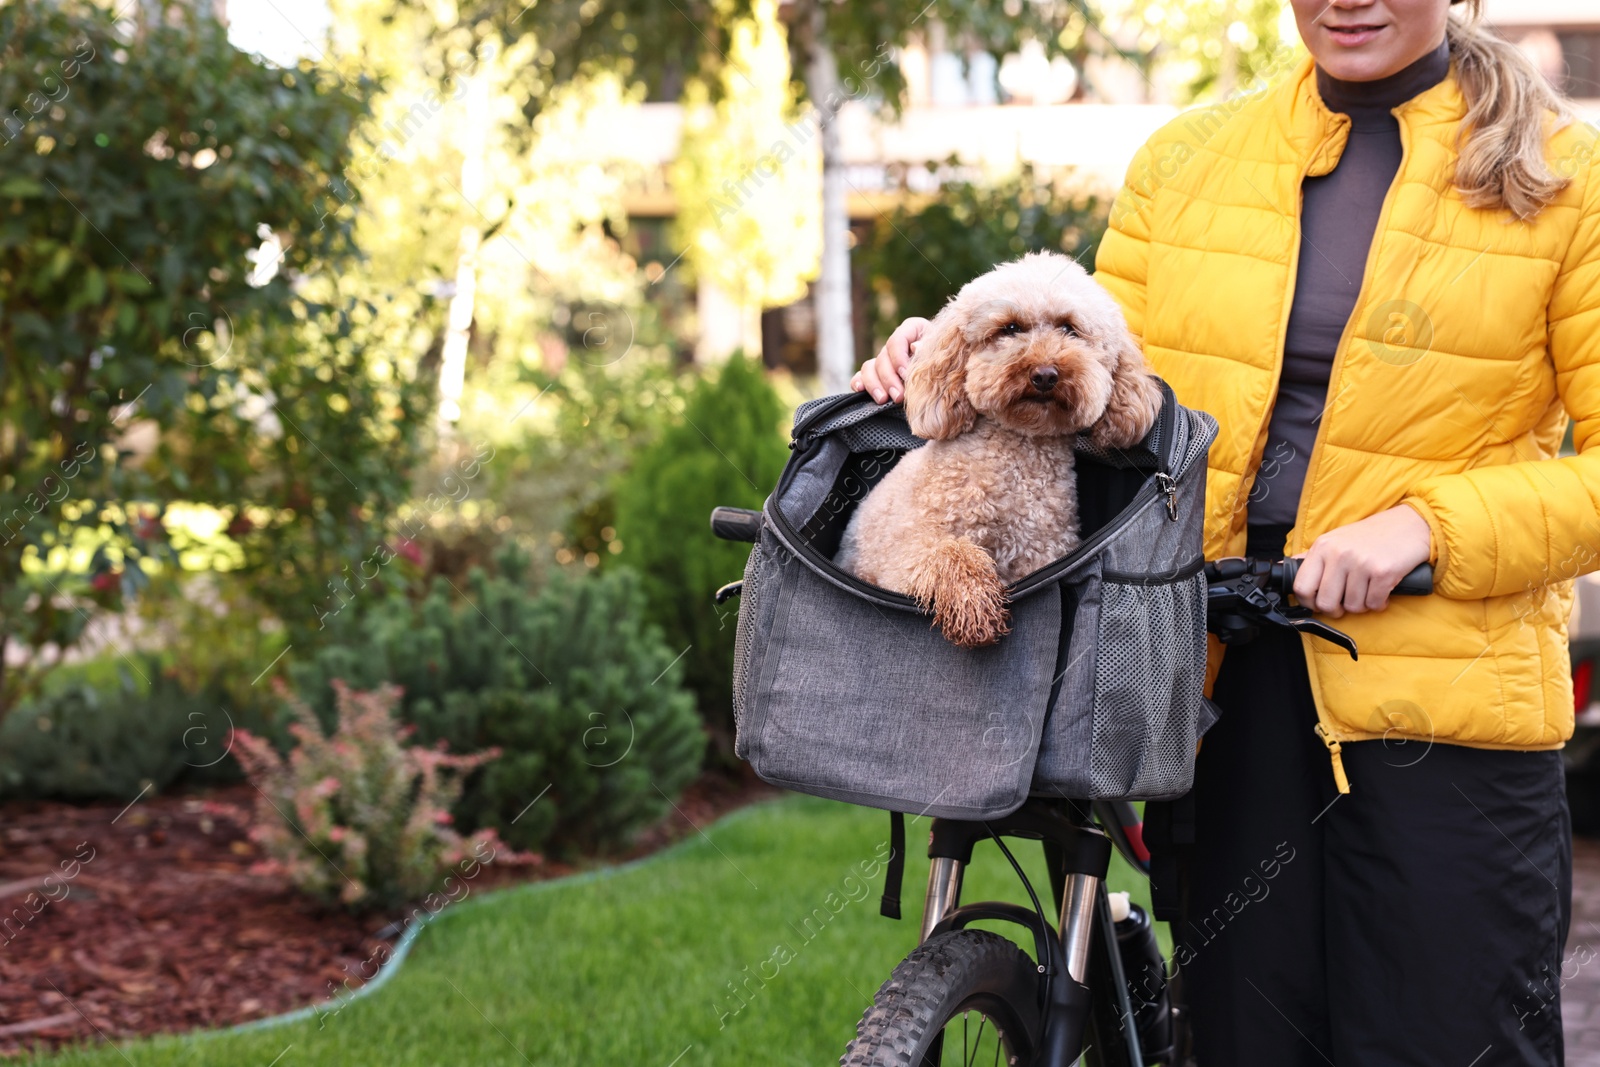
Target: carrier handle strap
(894,874)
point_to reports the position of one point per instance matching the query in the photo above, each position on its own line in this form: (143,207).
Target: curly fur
(1018,363)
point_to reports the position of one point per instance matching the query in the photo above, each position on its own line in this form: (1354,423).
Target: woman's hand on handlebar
(884,376)
(1354,568)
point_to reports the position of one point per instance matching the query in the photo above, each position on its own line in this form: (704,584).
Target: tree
(171,327)
(1212,48)
(746,181)
(840,51)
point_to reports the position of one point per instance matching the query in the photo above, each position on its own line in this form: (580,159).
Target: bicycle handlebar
(736,524)
(1242,592)
(1280,574)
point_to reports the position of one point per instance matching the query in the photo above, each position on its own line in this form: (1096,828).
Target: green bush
(146,160)
(371,816)
(580,695)
(79,741)
(918,257)
(726,447)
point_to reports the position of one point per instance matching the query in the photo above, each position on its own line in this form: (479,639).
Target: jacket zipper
(1323,730)
(1335,750)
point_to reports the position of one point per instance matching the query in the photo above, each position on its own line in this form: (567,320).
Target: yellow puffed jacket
(1473,338)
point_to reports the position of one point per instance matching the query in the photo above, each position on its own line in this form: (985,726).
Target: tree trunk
(836,353)
(458,332)
(1228,72)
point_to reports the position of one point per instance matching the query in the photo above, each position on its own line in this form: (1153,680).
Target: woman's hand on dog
(885,376)
(1354,568)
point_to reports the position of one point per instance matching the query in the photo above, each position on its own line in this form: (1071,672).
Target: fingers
(1356,584)
(1320,582)
(889,376)
(1307,578)
(867,378)
(1378,589)
(884,375)
(899,348)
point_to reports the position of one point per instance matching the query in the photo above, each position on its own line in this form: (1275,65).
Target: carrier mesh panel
(876,435)
(745,636)
(1143,739)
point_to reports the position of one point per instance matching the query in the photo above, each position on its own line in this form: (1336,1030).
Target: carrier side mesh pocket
(745,635)
(1148,681)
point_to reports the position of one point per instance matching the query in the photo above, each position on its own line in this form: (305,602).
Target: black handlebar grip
(736,524)
(1419,582)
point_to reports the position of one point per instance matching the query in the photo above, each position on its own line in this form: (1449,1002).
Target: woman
(1382,276)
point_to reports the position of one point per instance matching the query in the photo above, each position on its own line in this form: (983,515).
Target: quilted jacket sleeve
(1496,530)
(1122,262)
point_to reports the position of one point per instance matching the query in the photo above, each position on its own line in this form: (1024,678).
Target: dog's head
(1040,348)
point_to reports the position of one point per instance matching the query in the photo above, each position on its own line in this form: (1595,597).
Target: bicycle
(1071,1001)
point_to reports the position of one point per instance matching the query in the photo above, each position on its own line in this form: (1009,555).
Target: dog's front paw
(958,582)
(970,624)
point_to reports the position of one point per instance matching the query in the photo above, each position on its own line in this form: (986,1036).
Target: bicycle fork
(1078,861)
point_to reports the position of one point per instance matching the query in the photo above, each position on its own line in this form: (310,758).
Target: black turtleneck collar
(1371,102)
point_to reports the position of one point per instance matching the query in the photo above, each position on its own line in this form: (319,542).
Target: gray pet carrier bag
(845,690)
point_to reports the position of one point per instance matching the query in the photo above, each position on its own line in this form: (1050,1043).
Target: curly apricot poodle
(1018,363)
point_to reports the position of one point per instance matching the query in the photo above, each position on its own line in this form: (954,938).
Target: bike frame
(1073,957)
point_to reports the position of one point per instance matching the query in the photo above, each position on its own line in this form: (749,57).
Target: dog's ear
(1135,400)
(936,385)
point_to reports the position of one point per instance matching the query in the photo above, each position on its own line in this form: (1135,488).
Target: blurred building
(1562,37)
(991,117)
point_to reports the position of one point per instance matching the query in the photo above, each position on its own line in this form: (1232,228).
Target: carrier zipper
(1335,750)
(1026,584)
(1169,488)
(803,434)
(1153,487)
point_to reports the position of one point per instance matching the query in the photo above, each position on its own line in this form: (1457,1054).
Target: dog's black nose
(1044,379)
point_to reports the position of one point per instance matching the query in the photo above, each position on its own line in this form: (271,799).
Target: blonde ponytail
(1509,105)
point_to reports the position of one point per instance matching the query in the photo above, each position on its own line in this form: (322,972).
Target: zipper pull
(1168,487)
(1334,750)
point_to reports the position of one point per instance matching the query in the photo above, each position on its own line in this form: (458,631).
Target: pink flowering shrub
(358,816)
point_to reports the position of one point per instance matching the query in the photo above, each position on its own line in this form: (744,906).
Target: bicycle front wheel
(963,997)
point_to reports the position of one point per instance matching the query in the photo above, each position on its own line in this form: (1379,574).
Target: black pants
(1417,920)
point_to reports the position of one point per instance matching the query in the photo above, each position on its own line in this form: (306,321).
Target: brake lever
(1304,623)
(1268,607)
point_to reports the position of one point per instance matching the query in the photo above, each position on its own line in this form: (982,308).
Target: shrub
(356,816)
(727,447)
(143,362)
(81,741)
(582,698)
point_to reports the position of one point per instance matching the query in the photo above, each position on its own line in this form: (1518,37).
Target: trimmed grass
(638,967)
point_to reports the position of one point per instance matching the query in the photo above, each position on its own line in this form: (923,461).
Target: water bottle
(1146,975)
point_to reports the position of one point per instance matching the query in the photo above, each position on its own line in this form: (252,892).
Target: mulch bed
(152,922)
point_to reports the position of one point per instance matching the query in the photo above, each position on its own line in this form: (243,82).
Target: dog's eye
(1067,328)
(1011,327)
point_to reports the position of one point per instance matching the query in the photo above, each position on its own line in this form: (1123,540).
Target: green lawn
(633,968)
